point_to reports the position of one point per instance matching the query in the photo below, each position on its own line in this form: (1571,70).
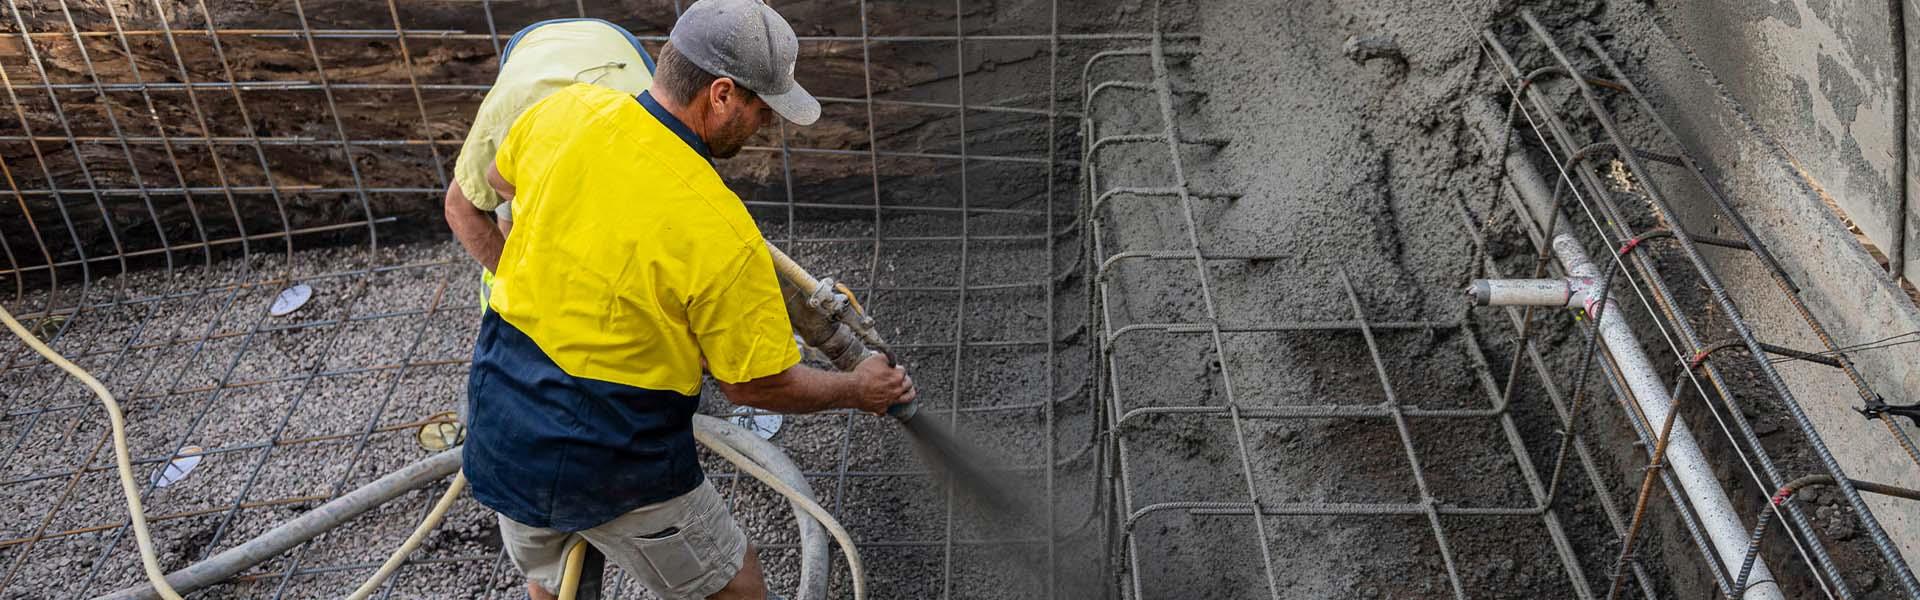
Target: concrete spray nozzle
(904,412)
(830,319)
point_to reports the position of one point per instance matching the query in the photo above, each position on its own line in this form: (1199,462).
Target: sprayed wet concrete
(1342,170)
(1347,159)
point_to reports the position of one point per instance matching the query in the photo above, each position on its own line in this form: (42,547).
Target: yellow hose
(791,271)
(570,578)
(413,541)
(148,559)
(826,519)
(850,299)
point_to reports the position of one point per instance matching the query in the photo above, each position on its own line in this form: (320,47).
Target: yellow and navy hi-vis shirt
(629,263)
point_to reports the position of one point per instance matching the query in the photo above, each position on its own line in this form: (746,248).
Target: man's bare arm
(500,184)
(475,231)
(872,386)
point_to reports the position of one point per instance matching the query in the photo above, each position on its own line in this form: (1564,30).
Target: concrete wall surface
(1824,77)
(1786,104)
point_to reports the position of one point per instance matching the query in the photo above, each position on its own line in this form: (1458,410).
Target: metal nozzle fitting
(1479,292)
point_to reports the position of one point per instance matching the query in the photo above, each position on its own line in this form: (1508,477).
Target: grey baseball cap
(746,41)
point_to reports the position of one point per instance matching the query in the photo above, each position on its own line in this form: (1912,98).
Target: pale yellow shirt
(544,60)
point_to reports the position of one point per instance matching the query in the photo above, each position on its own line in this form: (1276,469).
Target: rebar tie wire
(1793,487)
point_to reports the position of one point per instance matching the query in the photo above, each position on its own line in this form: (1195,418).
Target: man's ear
(722,90)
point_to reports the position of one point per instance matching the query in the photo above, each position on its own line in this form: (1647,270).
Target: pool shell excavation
(1189,275)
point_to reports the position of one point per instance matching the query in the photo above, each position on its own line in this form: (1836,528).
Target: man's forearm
(475,231)
(800,389)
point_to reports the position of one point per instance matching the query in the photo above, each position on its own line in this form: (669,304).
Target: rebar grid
(218,260)
(1126,420)
(188,343)
(1609,222)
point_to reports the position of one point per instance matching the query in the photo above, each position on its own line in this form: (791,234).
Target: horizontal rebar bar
(230,241)
(335,142)
(304,85)
(461,34)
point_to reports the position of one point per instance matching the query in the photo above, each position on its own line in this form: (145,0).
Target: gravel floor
(198,360)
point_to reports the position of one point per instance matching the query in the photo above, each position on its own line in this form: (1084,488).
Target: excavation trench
(1190,271)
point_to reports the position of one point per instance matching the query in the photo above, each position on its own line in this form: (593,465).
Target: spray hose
(149,560)
(717,436)
(835,300)
(829,318)
(727,440)
(710,438)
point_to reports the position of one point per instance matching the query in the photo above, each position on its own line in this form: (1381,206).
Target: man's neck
(686,114)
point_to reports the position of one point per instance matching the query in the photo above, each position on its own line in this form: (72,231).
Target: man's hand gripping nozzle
(831,320)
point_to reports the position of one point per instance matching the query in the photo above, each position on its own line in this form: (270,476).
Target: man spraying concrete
(631,267)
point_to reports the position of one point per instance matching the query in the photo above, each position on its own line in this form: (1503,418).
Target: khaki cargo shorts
(688,547)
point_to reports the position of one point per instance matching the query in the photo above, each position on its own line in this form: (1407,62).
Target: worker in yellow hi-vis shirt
(535,63)
(631,271)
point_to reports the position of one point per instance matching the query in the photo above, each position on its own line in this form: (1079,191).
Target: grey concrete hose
(738,443)
(302,528)
(722,437)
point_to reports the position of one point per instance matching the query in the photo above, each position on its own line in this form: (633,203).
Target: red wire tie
(1627,248)
(1782,495)
(1697,359)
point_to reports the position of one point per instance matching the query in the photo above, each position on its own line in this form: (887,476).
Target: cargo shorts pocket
(672,556)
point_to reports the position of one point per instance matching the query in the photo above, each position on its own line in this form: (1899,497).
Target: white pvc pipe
(1521,292)
(1683,456)
(1688,464)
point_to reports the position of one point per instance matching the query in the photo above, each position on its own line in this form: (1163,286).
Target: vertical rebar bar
(79,158)
(1047,430)
(1163,93)
(960,308)
(339,126)
(166,141)
(252,135)
(113,121)
(200,117)
(1427,501)
(413,83)
(1553,133)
